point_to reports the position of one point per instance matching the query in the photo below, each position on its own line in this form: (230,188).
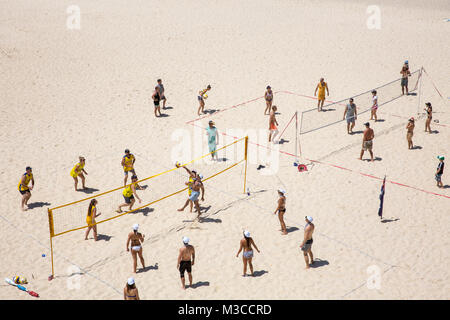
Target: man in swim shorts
(350,115)
(160,87)
(308,241)
(367,143)
(184,263)
(405,74)
(24,189)
(128,161)
(273,130)
(196,186)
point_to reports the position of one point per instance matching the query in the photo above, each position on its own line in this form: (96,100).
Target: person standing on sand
(213,139)
(322,85)
(373,111)
(268,96)
(367,143)
(128,194)
(429,110)
(405,74)
(90,219)
(201,99)
(127,163)
(136,239)
(160,87)
(308,241)
(440,171)
(281,209)
(193,176)
(156,99)
(410,132)
(195,187)
(24,189)
(77,171)
(247,255)
(273,125)
(350,115)
(130,292)
(184,263)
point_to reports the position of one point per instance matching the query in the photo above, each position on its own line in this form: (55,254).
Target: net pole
(296,133)
(245,172)
(420,90)
(51,229)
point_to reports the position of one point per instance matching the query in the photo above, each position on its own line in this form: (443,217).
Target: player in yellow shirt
(201,99)
(322,85)
(24,189)
(128,194)
(77,171)
(90,219)
(128,165)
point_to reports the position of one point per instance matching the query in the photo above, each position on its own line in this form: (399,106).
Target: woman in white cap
(247,255)
(130,292)
(136,239)
(281,209)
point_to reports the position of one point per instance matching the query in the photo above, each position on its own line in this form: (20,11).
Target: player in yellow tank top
(77,171)
(128,194)
(201,97)
(90,219)
(24,189)
(128,161)
(321,86)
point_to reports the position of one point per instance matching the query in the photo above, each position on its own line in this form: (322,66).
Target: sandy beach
(87,91)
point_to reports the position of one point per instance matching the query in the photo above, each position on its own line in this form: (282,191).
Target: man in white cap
(308,241)
(281,209)
(136,239)
(185,263)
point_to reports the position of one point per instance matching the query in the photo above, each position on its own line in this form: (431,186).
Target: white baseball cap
(135,226)
(309,218)
(282,191)
(247,234)
(130,281)
(200,176)
(185,240)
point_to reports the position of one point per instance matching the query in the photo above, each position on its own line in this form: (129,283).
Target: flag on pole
(380,210)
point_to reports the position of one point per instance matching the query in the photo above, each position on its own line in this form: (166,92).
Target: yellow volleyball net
(71,216)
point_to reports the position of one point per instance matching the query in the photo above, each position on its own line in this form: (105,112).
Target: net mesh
(72,216)
(312,121)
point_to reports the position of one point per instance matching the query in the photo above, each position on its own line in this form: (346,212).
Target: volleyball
(177,164)
(205,96)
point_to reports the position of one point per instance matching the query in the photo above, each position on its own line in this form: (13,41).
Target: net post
(245,173)
(52,234)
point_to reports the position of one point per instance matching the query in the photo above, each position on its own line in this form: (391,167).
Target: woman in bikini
(269,98)
(281,209)
(90,219)
(247,255)
(429,111)
(410,132)
(201,97)
(130,292)
(136,238)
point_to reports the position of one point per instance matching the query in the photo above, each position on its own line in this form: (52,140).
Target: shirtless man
(308,241)
(187,252)
(367,144)
(247,255)
(160,87)
(273,125)
(281,209)
(410,132)
(405,74)
(136,238)
(24,189)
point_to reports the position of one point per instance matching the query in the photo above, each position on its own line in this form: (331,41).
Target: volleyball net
(71,216)
(310,121)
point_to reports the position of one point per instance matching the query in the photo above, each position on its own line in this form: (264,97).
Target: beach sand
(87,92)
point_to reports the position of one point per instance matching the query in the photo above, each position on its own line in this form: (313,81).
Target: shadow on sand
(38,204)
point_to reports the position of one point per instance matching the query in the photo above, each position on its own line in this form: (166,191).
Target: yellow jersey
(127,191)
(128,163)
(24,186)
(90,216)
(191,181)
(75,172)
